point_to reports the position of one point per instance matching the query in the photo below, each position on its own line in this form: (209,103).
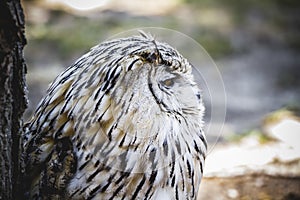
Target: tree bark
(13,100)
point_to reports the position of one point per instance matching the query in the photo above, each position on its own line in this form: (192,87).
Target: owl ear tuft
(146,35)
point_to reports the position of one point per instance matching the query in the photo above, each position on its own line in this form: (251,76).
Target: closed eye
(168,83)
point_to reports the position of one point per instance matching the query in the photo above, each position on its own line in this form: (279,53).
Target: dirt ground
(260,187)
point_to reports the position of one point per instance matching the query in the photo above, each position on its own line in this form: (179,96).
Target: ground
(251,186)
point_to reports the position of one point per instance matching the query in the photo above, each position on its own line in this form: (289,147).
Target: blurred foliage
(68,39)
(254,133)
(273,10)
(289,112)
(215,43)
(282,16)
(246,4)
(71,34)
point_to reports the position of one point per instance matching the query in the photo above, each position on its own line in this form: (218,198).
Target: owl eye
(168,82)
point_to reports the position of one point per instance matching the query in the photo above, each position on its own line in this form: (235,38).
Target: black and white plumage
(123,122)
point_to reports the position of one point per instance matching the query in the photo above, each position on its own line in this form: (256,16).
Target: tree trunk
(12,95)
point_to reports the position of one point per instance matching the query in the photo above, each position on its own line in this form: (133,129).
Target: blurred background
(255,45)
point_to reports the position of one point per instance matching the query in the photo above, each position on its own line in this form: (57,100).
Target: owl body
(123,122)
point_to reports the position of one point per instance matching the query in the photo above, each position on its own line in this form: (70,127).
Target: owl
(123,122)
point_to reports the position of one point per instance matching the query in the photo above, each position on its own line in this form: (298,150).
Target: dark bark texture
(12,95)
